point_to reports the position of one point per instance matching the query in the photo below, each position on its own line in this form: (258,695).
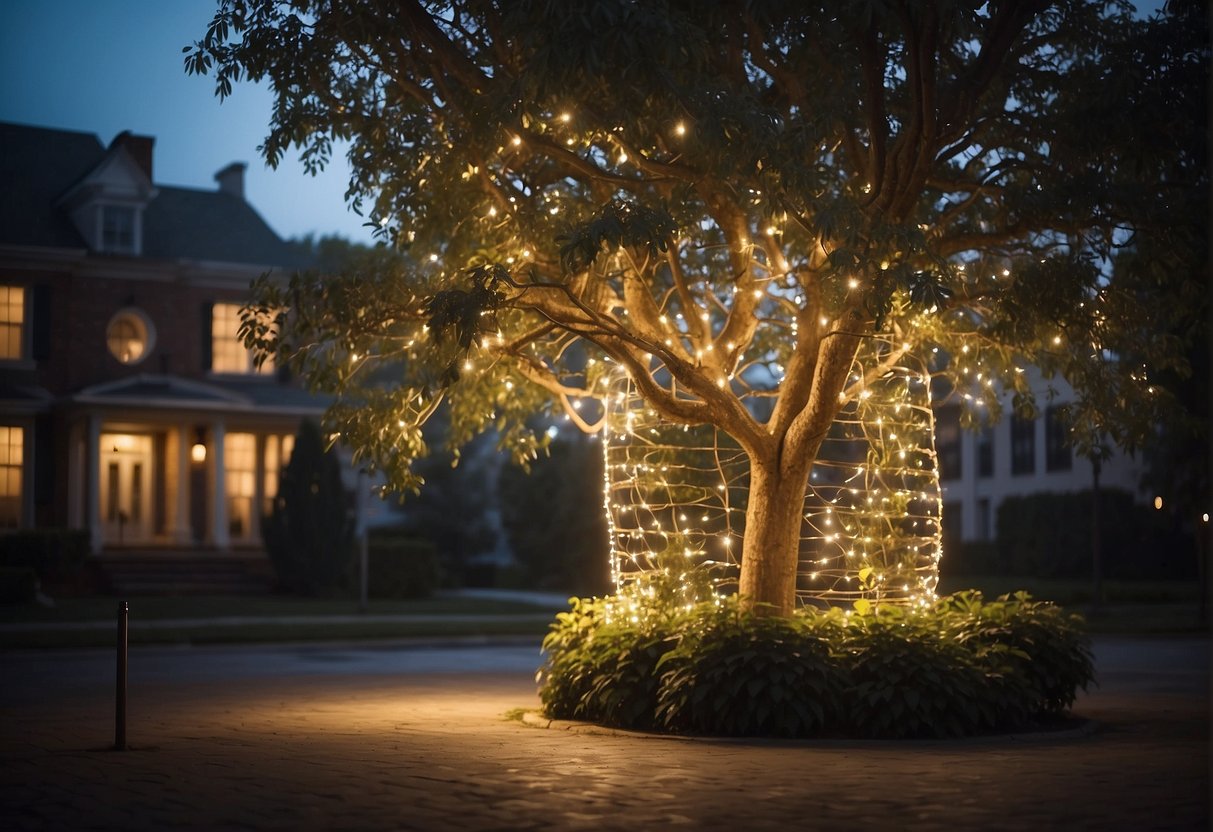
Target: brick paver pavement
(312,746)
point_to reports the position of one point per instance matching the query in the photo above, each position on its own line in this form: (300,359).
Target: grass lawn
(1132,607)
(455,617)
(96,608)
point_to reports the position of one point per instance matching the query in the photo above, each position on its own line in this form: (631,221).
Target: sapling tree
(726,200)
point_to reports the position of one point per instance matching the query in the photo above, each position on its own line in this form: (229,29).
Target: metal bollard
(120,699)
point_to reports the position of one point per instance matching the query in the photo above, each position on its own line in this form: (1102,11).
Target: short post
(120,699)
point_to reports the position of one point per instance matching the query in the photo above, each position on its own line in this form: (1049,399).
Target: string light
(872,510)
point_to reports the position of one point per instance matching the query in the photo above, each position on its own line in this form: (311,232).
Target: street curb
(1085,728)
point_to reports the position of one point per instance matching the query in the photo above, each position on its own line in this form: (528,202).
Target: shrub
(309,533)
(1049,536)
(736,674)
(1037,644)
(400,566)
(960,667)
(18,585)
(910,679)
(54,554)
(602,670)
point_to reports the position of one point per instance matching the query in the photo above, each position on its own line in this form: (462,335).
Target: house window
(129,336)
(118,229)
(1058,455)
(12,460)
(12,321)
(1023,446)
(947,439)
(228,353)
(277,455)
(985,452)
(240,472)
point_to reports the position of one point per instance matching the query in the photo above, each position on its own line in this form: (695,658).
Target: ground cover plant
(963,666)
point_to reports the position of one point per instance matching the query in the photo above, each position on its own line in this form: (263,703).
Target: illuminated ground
(407,738)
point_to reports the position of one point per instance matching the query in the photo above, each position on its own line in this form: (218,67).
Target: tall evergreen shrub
(309,533)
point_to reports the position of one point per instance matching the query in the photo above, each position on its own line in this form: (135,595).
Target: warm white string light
(675,496)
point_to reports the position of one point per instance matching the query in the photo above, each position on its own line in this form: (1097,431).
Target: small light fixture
(1158,503)
(198,449)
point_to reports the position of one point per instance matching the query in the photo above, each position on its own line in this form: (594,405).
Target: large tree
(727,199)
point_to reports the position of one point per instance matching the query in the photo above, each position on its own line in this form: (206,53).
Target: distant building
(128,407)
(1013,458)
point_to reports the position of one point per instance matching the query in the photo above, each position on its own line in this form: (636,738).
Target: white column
(180,531)
(92,467)
(218,501)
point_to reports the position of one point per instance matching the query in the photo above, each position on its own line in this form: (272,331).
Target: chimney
(231,179)
(139,148)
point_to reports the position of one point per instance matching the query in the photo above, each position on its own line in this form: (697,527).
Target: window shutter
(40,322)
(44,461)
(204,330)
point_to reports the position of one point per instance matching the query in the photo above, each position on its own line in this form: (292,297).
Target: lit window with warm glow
(12,321)
(277,455)
(240,479)
(228,353)
(12,460)
(129,336)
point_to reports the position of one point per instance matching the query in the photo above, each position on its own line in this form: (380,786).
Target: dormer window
(118,229)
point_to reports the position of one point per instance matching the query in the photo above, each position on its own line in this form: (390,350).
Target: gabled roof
(187,224)
(38,166)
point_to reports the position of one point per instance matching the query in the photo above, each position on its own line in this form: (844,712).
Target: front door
(126,464)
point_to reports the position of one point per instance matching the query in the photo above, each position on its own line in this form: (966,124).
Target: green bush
(18,585)
(309,533)
(963,666)
(54,554)
(1035,645)
(1049,536)
(601,670)
(740,675)
(909,678)
(399,566)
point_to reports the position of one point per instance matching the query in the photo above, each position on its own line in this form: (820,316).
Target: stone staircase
(192,572)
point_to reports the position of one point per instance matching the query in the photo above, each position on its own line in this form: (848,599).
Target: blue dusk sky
(104,66)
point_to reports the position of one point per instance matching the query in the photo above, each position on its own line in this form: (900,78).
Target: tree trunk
(771,548)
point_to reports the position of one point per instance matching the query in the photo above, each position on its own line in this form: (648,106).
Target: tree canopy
(726,199)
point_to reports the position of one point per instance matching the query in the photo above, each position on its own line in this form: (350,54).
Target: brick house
(128,407)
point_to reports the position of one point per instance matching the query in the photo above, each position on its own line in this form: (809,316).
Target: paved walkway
(363,737)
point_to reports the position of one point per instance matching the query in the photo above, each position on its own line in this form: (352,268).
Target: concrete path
(404,737)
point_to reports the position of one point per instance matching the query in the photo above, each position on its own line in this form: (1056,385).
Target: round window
(129,336)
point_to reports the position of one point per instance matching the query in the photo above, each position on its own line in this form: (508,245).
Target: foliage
(1049,535)
(400,566)
(309,533)
(964,666)
(551,514)
(450,512)
(1040,653)
(726,199)
(54,554)
(18,585)
(734,674)
(602,671)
